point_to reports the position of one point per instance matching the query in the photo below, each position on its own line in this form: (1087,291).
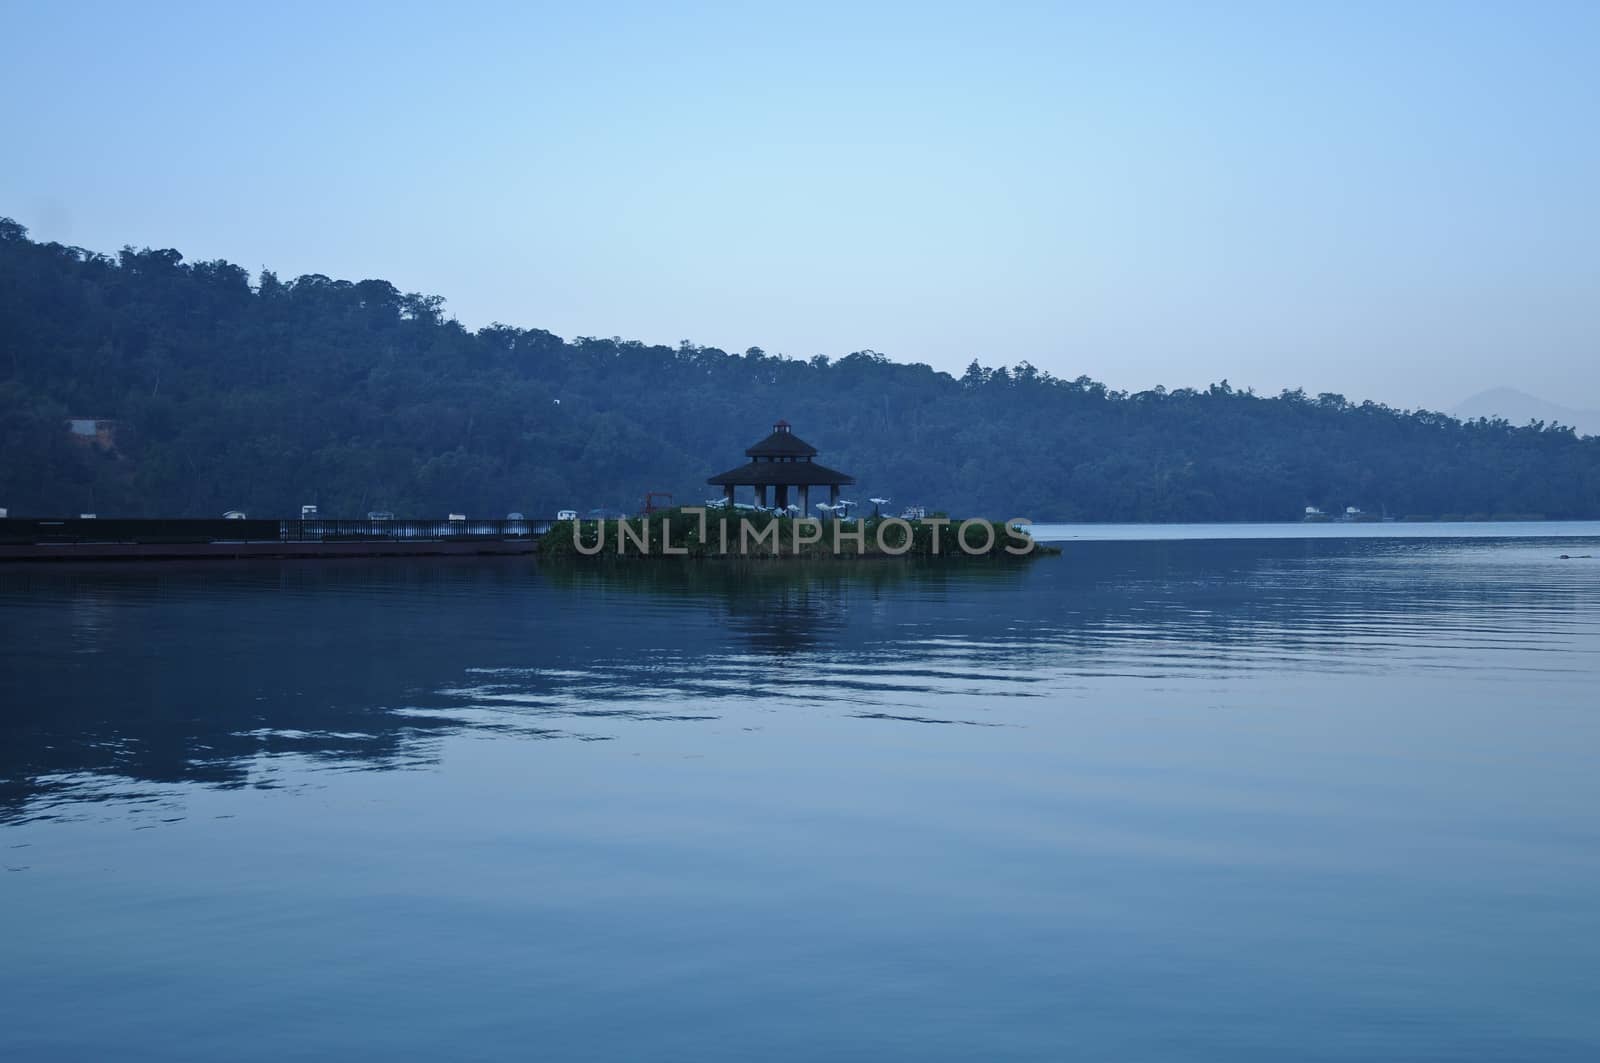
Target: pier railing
(300,531)
(26,531)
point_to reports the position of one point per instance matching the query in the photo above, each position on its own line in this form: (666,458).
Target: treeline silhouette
(356,396)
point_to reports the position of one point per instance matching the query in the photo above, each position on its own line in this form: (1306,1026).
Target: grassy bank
(680,534)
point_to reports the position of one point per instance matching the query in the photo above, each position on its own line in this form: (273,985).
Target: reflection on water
(1182,779)
(117,676)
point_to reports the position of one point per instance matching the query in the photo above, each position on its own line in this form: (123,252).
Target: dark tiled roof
(781,444)
(793,473)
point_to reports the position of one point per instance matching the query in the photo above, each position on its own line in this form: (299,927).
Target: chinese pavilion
(781,461)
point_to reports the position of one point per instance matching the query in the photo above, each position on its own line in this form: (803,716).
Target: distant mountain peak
(1519,408)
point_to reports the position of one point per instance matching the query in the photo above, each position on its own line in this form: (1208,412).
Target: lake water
(1222,799)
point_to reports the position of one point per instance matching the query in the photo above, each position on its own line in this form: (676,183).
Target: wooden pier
(93,539)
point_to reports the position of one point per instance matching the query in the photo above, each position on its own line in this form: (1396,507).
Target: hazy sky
(1392,200)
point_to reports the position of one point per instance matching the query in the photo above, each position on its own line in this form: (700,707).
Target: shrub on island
(711,534)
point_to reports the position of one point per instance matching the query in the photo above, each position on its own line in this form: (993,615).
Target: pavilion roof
(772,473)
(782,443)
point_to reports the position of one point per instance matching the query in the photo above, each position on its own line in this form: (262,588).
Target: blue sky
(1395,201)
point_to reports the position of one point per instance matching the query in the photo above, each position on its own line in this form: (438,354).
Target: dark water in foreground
(1230,801)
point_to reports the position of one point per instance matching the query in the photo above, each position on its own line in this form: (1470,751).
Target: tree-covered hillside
(355,396)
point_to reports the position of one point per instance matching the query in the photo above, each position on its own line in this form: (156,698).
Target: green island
(688,533)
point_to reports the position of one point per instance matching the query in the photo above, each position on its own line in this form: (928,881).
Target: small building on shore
(93,431)
(781,462)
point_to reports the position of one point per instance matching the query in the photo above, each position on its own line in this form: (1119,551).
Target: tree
(362,397)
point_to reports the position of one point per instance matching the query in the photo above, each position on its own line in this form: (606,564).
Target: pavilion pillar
(805,500)
(727,496)
(833,494)
(783,496)
(761,496)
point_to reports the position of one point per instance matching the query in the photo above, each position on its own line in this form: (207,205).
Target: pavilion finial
(782,426)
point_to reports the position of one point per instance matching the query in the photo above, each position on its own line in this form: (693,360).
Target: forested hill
(227,394)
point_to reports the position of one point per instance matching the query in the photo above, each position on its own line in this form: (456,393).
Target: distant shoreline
(1112,531)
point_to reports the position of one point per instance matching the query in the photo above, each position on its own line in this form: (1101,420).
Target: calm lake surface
(1221,799)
